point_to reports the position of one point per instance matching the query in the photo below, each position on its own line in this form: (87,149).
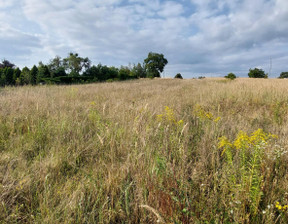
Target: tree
(257,73)
(6,64)
(2,77)
(16,76)
(93,71)
(9,76)
(124,73)
(231,76)
(75,64)
(25,76)
(113,72)
(154,64)
(138,71)
(55,65)
(33,75)
(178,76)
(283,75)
(43,72)
(59,72)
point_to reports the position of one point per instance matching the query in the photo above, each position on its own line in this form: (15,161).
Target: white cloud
(196,36)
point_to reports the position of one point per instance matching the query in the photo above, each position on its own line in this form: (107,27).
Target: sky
(198,37)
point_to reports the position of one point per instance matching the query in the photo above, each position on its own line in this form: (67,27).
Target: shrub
(230,76)
(178,76)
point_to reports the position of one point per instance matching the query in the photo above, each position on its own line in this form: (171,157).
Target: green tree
(178,76)
(16,76)
(257,73)
(154,64)
(43,72)
(138,71)
(113,72)
(93,71)
(231,76)
(59,72)
(56,67)
(104,72)
(25,76)
(2,77)
(124,73)
(74,64)
(283,75)
(9,76)
(33,75)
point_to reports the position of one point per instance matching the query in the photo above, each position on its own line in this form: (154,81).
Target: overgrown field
(145,151)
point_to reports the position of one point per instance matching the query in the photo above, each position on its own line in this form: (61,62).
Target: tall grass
(145,151)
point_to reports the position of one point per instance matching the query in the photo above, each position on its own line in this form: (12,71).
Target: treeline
(75,69)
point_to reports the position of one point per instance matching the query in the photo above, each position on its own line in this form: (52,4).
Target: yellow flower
(242,140)
(160,117)
(217,119)
(224,143)
(180,123)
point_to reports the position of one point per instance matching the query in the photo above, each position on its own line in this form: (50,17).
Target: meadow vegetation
(145,151)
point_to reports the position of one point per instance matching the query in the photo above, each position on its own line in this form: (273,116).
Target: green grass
(143,151)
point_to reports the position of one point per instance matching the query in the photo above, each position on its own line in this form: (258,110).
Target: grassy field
(145,151)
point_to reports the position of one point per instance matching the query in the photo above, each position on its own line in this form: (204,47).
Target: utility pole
(270,69)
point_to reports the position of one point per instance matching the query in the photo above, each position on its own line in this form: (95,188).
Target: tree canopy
(257,73)
(155,64)
(76,69)
(283,75)
(75,64)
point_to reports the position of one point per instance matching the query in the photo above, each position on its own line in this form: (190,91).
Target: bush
(283,75)
(257,73)
(230,76)
(178,76)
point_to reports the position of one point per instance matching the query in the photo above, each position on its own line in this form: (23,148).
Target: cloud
(196,36)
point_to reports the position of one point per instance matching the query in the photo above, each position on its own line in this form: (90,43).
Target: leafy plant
(244,157)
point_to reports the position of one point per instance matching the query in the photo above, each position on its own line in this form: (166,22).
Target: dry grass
(100,154)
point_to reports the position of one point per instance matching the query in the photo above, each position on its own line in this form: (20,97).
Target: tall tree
(33,75)
(55,65)
(43,72)
(74,64)
(2,77)
(25,76)
(16,76)
(9,76)
(124,73)
(138,71)
(155,64)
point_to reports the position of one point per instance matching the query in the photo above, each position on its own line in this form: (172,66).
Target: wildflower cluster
(243,140)
(243,169)
(205,115)
(281,207)
(169,117)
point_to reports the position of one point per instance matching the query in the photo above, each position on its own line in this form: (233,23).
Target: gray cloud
(196,36)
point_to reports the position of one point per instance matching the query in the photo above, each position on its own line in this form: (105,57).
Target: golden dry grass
(99,153)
